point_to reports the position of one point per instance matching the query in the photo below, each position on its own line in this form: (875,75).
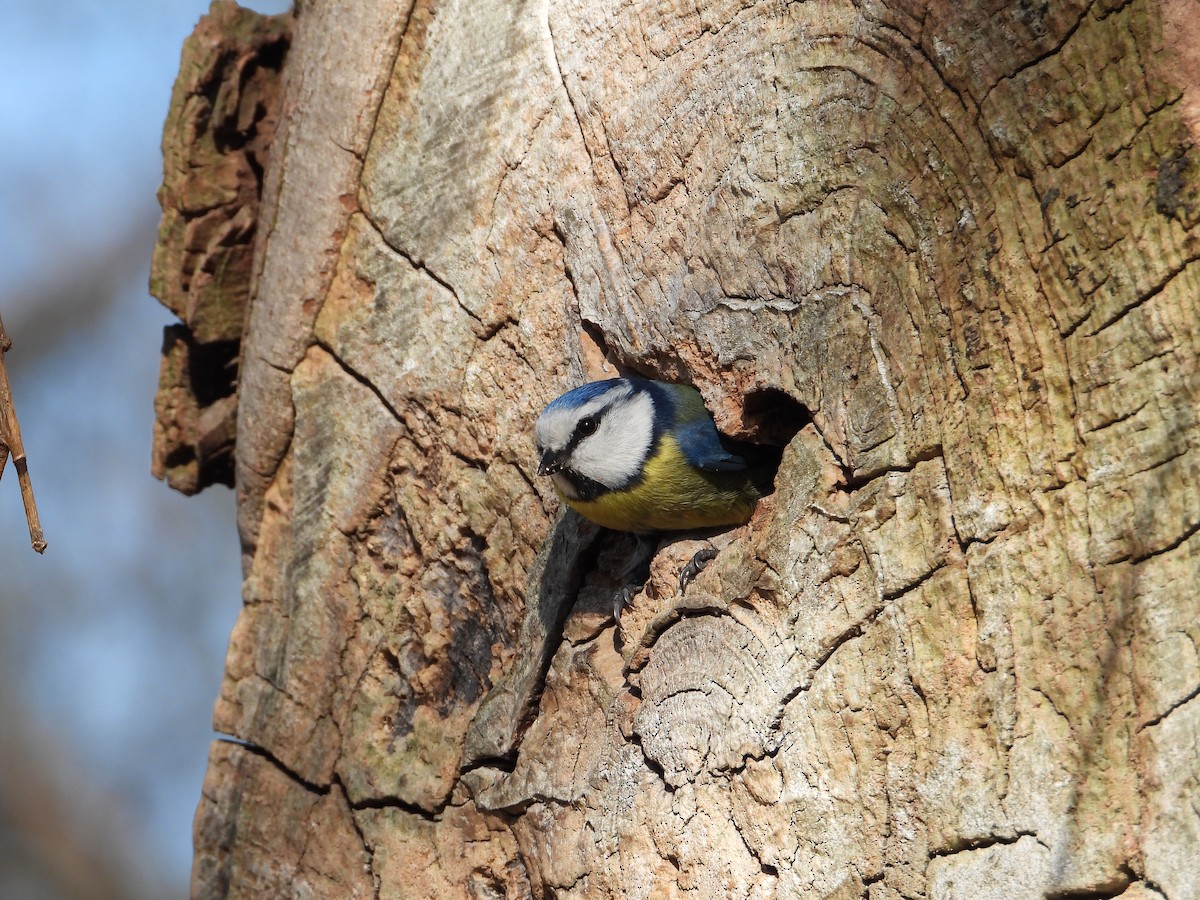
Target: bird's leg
(695,566)
(635,571)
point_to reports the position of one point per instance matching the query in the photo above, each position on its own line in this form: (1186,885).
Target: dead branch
(10,443)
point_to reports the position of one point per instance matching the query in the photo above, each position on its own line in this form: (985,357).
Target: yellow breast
(673,495)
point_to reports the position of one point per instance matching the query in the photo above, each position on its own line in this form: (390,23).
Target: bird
(643,456)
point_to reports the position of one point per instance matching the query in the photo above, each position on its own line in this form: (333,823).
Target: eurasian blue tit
(644,456)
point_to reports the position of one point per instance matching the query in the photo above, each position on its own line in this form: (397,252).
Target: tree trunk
(948,249)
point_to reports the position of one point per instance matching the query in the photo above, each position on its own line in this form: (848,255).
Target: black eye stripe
(583,428)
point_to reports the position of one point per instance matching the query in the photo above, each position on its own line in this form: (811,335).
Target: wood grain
(954,654)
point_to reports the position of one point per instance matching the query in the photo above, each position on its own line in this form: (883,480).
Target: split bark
(950,246)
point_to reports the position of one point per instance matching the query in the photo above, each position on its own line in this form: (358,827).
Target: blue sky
(113,641)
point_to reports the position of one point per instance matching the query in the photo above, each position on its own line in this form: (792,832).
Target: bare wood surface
(953,655)
(11,444)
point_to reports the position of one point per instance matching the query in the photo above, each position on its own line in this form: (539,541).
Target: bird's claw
(695,566)
(620,598)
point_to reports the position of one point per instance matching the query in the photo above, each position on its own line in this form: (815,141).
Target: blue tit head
(597,437)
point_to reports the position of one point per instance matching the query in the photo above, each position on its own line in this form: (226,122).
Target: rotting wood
(216,145)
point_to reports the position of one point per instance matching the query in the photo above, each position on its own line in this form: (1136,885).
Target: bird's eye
(587,425)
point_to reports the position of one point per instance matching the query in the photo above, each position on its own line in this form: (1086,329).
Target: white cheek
(555,427)
(617,451)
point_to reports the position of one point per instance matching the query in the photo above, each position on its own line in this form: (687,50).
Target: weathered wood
(216,145)
(953,655)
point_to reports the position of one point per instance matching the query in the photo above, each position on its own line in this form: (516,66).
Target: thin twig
(10,440)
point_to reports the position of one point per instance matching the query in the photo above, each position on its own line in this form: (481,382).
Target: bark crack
(486,332)
(1146,296)
(1041,57)
(965,101)
(406,806)
(553,57)
(1183,701)
(860,480)
(261,752)
(360,378)
(965,846)
(368,849)
(652,764)
(386,72)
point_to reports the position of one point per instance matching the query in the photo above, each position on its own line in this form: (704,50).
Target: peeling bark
(216,146)
(949,249)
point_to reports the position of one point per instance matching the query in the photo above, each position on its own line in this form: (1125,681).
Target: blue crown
(584,393)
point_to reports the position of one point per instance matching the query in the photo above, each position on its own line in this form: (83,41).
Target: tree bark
(949,249)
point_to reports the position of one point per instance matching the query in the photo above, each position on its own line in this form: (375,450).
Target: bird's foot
(621,598)
(635,572)
(695,566)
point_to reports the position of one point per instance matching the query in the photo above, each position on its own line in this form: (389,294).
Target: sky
(113,641)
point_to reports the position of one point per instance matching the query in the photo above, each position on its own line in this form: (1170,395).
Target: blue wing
(697,435)
(701,445)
